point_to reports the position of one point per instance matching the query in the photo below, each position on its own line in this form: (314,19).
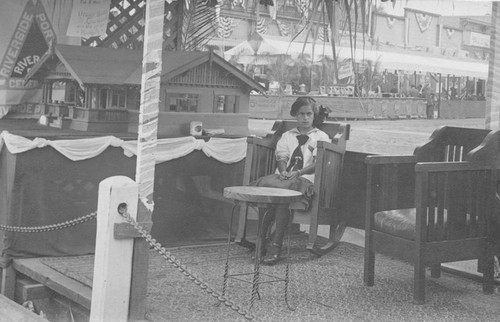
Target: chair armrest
(260,141)
(390,159)
(450,166)
(333,147)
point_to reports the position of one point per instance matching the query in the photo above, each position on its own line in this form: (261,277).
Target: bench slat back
(448,144)
(457,204)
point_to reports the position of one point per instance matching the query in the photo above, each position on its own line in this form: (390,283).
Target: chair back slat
(457,204)
(453,153)
(448,144)
(432,214)
(440,232)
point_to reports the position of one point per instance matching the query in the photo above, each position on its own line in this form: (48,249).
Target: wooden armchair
(324,210)
(434,206)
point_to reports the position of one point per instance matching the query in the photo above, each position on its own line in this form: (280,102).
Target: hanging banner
(89,18)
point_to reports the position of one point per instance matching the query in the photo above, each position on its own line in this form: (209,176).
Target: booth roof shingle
(97,65)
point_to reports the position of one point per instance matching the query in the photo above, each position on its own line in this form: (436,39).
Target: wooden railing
(106,115)
(56,109)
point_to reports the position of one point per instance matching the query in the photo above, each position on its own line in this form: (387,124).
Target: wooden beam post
(113,257)
(146,148)
(492,112)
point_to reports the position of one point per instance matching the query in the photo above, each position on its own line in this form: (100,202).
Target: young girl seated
(296,157)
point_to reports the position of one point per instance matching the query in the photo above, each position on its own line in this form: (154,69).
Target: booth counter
(278,107)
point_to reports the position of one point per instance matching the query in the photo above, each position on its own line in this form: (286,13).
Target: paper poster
(345,70)
(479,40)
(89,18)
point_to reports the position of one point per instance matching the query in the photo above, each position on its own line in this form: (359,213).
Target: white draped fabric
(223,150)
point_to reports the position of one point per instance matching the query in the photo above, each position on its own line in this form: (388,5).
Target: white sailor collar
(296,130)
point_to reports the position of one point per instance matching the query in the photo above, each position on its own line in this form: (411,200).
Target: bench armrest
(450,166)
(390,159)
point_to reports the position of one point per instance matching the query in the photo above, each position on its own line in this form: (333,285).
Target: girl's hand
(294,174)
(284,175)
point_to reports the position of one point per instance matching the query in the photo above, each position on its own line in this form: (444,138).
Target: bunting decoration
(262,25)
(449,32)
(303,7)
(240,3)
(218,6)
(423,21)
(323,34)
(225,26)
(390,22)
(283,28)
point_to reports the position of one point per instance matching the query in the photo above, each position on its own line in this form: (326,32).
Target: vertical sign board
(29,41)
(492,117)
(146,147)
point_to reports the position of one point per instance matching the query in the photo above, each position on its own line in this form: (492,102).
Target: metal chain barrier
(45,228)
(185,271)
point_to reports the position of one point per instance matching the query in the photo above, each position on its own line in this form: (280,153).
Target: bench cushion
(398,222)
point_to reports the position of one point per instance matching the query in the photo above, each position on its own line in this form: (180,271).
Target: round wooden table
(265,199)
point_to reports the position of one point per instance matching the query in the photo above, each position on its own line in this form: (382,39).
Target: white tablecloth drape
(223,150)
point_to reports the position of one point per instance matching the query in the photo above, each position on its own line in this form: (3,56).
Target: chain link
(45,228)
(186,272)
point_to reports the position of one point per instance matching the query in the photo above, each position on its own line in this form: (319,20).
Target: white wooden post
(113,257)
(146,147)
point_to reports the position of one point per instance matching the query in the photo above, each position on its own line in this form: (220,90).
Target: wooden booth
(98,89)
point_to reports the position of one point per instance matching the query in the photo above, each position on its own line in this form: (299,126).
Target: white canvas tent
(260,50)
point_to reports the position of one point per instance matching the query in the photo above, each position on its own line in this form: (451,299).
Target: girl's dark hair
(320,113)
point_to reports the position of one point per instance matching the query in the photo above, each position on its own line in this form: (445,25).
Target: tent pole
(467,86)
(439,97)
(448,87)
(146,147)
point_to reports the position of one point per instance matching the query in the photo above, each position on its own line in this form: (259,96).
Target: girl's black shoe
(273,255)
